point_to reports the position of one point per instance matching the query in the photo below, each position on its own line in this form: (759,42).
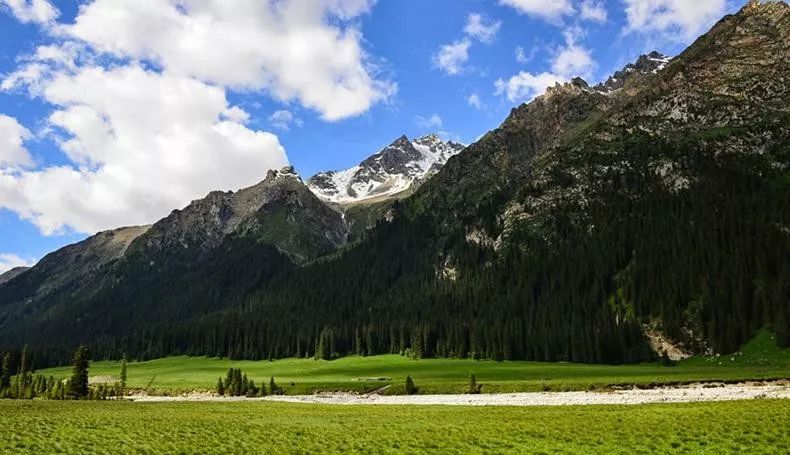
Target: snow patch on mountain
(394,169)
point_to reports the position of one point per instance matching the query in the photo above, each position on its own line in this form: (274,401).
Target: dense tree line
(19,381)
(237,384)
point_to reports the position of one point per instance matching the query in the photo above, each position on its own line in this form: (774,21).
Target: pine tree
(220,387)
(78,386)
(273,388)
(411,389)
(123,375)
(474,387)
(5,372)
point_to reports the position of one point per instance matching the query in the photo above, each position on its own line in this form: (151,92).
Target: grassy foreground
(258,427)
(760,359)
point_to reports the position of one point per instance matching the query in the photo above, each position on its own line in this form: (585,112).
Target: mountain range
(593,218)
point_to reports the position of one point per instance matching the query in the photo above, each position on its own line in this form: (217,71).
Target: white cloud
(679,19)
(10,261)
(12,151)
(36,11)
(451,57)
(140,143)
(573,60)
(593,11)
(522,56)
(434,121)
(526,86)
(302,50)
(474,101)
(551,10)
(477,27)
(283,120)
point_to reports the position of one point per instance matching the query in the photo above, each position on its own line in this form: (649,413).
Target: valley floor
(42,427)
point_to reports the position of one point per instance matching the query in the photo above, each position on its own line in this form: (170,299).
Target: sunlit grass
(758,426)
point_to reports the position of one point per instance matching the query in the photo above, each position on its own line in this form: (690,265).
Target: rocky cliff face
(647,64)
(399,167)
(280,210)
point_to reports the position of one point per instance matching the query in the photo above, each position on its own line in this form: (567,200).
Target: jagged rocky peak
(646,64)
(396,168)
(204,223)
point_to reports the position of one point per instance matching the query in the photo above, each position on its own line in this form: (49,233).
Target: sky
(115,112)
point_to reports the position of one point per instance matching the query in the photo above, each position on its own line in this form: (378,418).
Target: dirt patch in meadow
(676,394)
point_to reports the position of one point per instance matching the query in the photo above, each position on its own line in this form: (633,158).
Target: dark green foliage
(5,373)
(474,387)
(411,389)
(123,375)
(78,384)
(237,384)
(274,389)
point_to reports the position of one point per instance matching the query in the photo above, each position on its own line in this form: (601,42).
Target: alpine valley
(597,224)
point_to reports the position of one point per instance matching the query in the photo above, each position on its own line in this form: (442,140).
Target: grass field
(760,359)
(41,427)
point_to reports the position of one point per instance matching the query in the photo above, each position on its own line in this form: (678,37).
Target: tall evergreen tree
(78,386)
(5,376)
(123,375)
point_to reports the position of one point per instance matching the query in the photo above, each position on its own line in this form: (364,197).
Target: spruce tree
(5,372)
(78,386)
(273,388)
(474,387)
(123,375)
(220,387)
(411,389)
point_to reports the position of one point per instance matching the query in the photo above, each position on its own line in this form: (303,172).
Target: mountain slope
(399,167)
(587,218)
(11,274)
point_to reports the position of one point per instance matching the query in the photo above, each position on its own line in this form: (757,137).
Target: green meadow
(759,359)
(42,427)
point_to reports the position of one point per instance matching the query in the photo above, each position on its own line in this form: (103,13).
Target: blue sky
(114,112)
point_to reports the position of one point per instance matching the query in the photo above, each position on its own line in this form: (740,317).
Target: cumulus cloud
(433,121)
(678,19)
(479,28)
(9,261)
(474,101)
(594,11)
(296,50)
(572,59)
(140,143)
(12,151)
(283,120)
(451,57)
(525,86)
(31,11)
(551,10)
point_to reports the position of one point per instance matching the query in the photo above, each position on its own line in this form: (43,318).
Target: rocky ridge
(399,167)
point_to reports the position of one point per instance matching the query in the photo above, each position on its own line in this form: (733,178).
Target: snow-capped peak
(390,171)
